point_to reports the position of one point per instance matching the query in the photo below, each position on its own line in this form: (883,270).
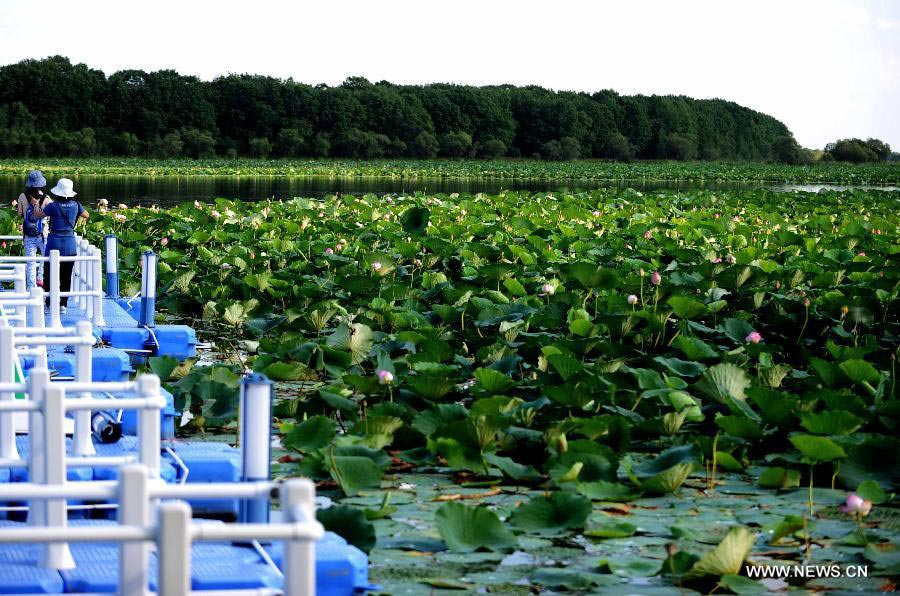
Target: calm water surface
(167,190)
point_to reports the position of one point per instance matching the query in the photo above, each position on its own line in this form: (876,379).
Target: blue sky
(827,68)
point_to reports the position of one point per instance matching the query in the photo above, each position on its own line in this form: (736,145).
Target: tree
(425,145)
(168,146)
(127,144)
(570,148)
(492,149)
(551,150)
(364,119)
(879,148)
(679,146)
(289,142)
(618,147)
(198,143)
(852,150)
(786,150)
(260,147)
(456,144)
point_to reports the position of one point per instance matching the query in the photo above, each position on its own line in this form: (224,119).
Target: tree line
(51,107)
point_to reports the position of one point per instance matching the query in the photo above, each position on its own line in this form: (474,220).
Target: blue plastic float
(128,331)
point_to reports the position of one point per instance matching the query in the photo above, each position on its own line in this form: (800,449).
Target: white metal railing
(137,493)
(87,278)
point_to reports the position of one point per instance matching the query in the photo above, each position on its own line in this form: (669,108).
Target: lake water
(167,190)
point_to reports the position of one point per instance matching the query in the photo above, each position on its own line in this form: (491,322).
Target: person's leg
(31,247)
(42,246)
(65,281)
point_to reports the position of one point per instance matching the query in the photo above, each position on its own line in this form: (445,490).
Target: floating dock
(96,494)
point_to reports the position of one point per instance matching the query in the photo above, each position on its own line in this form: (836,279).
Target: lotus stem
(811,489)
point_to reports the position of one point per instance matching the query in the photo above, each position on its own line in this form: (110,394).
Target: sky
(828,69)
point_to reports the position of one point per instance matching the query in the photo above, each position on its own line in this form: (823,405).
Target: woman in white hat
(64,214)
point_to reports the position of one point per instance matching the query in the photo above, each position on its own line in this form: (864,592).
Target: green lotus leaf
(467,529)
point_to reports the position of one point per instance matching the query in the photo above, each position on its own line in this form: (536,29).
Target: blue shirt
(63,215)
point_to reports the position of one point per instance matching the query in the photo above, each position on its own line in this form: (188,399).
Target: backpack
(32,226)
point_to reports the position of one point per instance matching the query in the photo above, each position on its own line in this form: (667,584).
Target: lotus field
(580,170)
(597,392)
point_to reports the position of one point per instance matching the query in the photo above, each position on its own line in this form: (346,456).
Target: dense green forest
(51,107)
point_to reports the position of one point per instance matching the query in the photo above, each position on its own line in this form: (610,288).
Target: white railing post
(134,510)
(149,426)
(56,555)
(38,380)
(19,283)
(148,290)
(97,286)
(255,439)
(111,244)
(19,288)
(299,564)
(80,278)
(55,321)
(7,375)
(81,439)
(88,272)
(173,549)
(37,307)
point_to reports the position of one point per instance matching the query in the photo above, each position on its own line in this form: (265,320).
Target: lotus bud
(376,266)
(329,251)
(385,377)
(164,241)
(562,443)
(754,337)
(655,278)
(632,299)
(548,289)
(856,505)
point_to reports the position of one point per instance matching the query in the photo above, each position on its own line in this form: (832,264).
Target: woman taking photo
(64,214)
(32,226)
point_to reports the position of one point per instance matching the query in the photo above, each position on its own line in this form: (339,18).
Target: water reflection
(165,190)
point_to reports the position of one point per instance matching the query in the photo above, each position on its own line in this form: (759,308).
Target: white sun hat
(63,188)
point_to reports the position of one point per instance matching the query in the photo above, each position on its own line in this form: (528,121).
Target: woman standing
(64,214)
(32,227)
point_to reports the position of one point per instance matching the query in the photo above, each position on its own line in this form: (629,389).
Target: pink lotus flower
(632,299)
(861,253)
(735,219)
(329,251)
(385,377)
(777,285)
(806,302)
(717,260)
(547,290)
(3,244)
(716,216)
(648,235)
(655,278)
(376,266)
(197,205)
(856,505)
(596,214)
(164,241)
(753,337)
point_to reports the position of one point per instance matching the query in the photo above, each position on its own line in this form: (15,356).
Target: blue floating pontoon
(57,365)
